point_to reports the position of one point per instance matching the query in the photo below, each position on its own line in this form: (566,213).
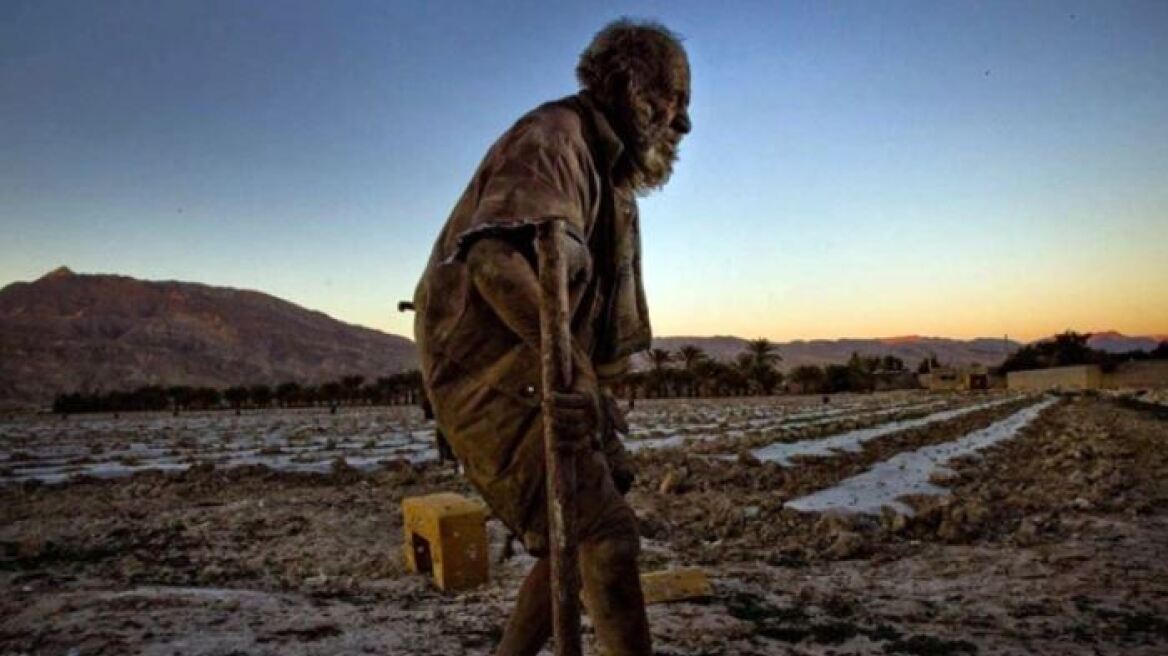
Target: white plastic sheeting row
(854,440)
(909,473)
(53,450)
(779,423)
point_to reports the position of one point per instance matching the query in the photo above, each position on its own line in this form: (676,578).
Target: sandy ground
(1053,542)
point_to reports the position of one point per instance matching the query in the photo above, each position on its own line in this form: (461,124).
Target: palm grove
(686,372)
(689,371)
(396,389)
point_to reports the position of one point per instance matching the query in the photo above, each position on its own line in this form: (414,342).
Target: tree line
(689,372)
(1071,348)
(396,389)
(861,373)
(685,372)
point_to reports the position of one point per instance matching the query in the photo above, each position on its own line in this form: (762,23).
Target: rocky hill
(66,331)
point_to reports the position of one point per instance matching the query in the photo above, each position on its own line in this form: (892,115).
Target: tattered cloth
(483,380)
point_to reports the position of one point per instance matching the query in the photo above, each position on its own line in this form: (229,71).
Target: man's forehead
(674,66)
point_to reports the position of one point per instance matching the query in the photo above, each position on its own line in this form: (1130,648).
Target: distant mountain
(66,331)
(912,349)
(1113,342)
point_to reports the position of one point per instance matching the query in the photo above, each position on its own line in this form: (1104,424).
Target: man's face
(662,120)
(675,105)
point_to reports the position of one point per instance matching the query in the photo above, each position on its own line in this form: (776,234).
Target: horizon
(901,169)
(65,269)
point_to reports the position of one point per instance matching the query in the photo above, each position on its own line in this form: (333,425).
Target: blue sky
(856,168)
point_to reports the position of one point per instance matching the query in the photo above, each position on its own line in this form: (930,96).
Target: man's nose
(681,122)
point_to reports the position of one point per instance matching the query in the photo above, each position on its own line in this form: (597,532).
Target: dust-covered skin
(1051,543)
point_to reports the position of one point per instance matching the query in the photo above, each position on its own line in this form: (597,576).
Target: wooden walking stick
(556,363)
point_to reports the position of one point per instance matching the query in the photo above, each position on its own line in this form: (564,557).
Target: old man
(582,159)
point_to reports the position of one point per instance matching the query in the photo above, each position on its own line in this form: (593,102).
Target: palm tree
(744,367)
(659,375)
(352,387)
(809,378)
(736,376)
(763,351)
(180,397)
(757,362)
(287,393)
(330,393)
(659,358)
(767,378)
(691,356)
(744,362)
(236,396)
(705,373)
(261,395)
(205,397)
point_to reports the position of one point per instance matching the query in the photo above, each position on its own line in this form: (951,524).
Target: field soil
(1052,542)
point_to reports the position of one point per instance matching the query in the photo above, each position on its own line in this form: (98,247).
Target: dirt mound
(1091,458)
(712,509)
(245,526)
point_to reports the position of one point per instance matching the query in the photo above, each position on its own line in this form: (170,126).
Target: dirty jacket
(483,380)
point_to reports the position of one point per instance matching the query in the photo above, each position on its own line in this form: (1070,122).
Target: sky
(856,169)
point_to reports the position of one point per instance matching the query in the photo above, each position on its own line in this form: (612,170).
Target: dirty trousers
(499,441)
(609,543)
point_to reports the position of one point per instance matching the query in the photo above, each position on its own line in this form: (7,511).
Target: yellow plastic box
(445,534)
(675,585)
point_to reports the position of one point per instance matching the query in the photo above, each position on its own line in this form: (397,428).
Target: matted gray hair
(628,53)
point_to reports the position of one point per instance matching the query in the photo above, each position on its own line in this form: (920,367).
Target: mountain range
(66,332)
(910,348)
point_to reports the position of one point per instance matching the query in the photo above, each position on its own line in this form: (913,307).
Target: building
(952,379)
(1138,374)
(1074,378)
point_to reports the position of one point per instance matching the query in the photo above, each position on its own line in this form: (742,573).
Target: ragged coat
(482,378)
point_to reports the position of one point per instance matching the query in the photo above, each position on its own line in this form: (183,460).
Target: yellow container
(675,585)
(445,534)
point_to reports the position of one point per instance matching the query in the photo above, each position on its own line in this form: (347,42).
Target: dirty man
(584,159)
